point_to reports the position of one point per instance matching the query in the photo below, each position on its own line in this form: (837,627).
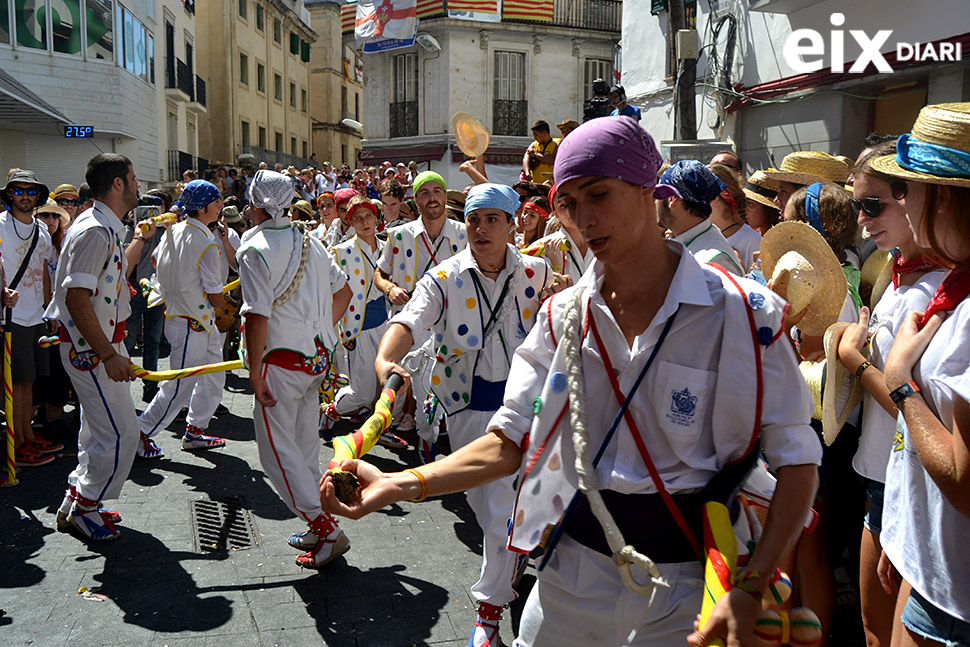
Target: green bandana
(428,176)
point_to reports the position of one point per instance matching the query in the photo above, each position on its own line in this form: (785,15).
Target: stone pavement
(404,582)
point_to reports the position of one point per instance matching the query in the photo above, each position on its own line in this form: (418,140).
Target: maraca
(799,627)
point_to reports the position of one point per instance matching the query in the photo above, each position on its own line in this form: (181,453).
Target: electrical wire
(866,97)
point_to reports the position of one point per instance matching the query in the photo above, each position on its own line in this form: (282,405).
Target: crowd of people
(611,344)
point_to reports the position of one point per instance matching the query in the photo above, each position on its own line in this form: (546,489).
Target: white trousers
(109,430)
(202,394)
(492,504)
(363,388)
(579,600)
(287,439)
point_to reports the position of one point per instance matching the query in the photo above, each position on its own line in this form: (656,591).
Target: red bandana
(918,264)
(953,290)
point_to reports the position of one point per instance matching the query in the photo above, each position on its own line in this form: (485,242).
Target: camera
(148,207)
(599,104)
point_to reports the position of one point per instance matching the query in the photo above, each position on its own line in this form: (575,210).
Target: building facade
(522,62)
(336,87)
(771,108)
(255,55)
(98,65)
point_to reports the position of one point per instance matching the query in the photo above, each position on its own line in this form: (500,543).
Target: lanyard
(621,414)
(433,261)
(493,312)
(635,430)
(373,268)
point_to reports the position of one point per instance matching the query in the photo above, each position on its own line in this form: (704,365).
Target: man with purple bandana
(640,333)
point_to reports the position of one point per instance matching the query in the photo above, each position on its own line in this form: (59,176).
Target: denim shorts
(924,619)
(873,518)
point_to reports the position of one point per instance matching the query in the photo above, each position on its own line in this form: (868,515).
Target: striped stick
(162,376)
(722,559)
(229,287)
(11,478)
(356,444)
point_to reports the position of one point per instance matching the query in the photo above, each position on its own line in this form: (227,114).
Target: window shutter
(656,6)
(294,43)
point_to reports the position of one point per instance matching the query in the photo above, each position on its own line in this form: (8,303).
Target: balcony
(179,81)
(179,162)
(200,91)
(404,119)
(596,15)
(510,117)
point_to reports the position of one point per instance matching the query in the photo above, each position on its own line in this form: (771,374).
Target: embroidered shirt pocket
(684,402)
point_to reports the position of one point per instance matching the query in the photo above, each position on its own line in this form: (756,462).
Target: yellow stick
(11,479)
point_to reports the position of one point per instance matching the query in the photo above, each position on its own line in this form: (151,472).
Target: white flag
(385,19)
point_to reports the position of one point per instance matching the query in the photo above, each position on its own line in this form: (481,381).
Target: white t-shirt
(877,425)
(15,238)
(745,241)
(922,533)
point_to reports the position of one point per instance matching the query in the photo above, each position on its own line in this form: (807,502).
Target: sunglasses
(67,202)
(19,191)
(872,206)
(47,215)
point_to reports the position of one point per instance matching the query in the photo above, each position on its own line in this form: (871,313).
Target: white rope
(301,242)
(623,554)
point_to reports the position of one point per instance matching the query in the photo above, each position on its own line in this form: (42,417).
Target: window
(404,107)
(305,149)
(243,69)
(596,68)
(277,87)
(343,101)
(278,141)
(277,31)
(262,137)
(32,27)
(293,95)
(343,154)
(260,77)
(100,35)
(510,110)
(5,25)
(151,59)
(133,50)
(66,28)
(293,146)
(303,104)
(294,43)
(245,134)
(357,106)
(244,9)
(259,17)
(304,51)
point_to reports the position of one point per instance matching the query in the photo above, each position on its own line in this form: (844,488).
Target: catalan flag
(476,6)
(430,8)
(348,14)
(533,10)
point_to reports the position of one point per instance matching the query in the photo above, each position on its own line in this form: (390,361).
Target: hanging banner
(385,24)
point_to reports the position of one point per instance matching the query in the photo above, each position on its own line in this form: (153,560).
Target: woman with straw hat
(802,168)
(926,518)
(729,213)
(760,210)
(914,280)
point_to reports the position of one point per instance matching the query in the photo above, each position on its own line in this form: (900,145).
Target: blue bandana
(491,196)
(695,183)
(812,194)
(933,159)
(198,194)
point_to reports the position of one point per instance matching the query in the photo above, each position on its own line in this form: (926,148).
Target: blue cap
(491,196)
(198,194)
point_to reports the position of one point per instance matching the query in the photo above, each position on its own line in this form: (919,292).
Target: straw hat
(471,136)
(801,267)
(52,207)
(808,167)
(946,125)
(455,200)
(814,375)
(841,392)
(761,189)
(877,273)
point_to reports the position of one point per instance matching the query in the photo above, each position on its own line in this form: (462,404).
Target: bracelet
(900,393)
(389,288)
(862,369)
(424,485)
(745,582)
(111,356)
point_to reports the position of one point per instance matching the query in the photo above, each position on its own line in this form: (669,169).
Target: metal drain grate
(221,524)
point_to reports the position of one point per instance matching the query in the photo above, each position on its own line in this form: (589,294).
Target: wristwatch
(901,393)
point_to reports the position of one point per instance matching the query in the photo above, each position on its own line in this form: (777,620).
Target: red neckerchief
(954,289)
(918,264)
